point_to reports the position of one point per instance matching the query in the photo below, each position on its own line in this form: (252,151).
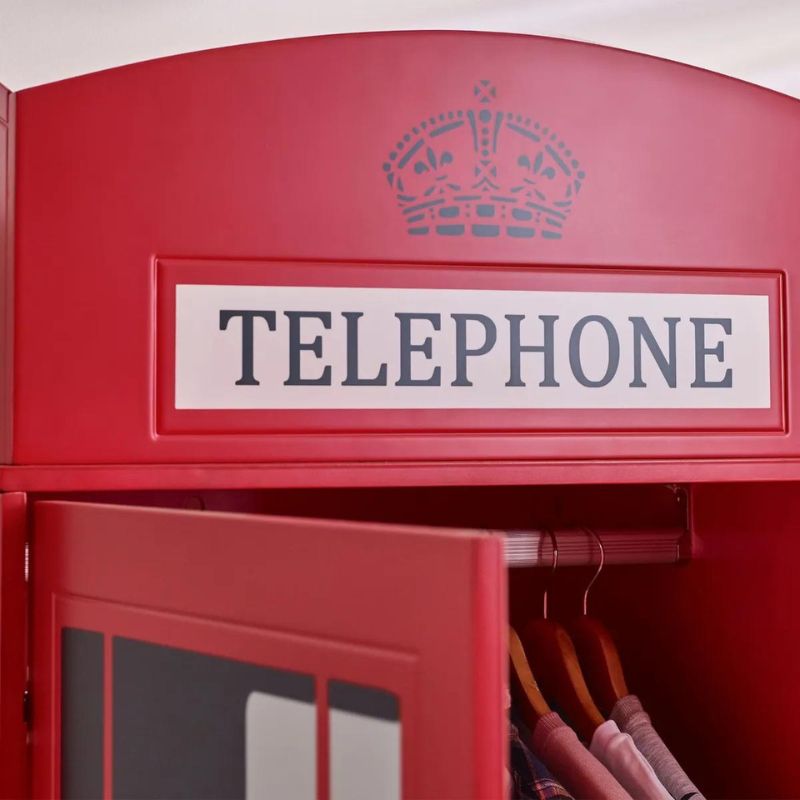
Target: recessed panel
(262,347)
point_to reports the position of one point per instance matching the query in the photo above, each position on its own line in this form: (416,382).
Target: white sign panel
(306,347)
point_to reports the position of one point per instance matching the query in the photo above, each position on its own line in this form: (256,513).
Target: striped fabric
(530,779)
(634,720)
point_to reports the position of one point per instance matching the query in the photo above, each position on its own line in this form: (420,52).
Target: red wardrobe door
(194,654)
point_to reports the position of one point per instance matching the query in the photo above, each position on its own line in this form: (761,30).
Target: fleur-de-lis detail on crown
(484,172)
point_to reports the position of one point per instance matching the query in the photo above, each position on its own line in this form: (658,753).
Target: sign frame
(226,421)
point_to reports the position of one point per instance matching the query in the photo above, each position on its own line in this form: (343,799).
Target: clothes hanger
(523,685)
(597,651)
(553,659)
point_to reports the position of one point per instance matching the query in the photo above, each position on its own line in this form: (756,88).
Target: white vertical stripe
(280,748)
(364,757)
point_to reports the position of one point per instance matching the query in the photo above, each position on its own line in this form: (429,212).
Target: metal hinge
(27,700)
(27,706)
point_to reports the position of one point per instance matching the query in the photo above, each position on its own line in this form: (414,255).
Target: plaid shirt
(530,779)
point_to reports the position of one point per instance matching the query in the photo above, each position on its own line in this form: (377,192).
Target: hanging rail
(577,547)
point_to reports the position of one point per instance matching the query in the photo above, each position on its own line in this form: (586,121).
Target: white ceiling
(46,40)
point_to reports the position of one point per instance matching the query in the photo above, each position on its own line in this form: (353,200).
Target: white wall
(46,40)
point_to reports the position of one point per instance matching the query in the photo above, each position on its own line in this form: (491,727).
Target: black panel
(364,700)
(81,714)
(179,719)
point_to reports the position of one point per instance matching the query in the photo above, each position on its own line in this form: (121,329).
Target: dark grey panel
(364,700)
(179,720)
(81,714)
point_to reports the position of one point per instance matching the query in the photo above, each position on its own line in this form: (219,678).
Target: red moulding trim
(169,421)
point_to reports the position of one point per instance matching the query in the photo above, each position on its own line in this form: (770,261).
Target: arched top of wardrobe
(333,151)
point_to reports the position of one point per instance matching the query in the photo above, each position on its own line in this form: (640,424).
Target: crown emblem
(483,172)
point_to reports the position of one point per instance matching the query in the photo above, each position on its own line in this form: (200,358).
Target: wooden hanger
(553,659)
(523,684)
(600,660)
(599,656)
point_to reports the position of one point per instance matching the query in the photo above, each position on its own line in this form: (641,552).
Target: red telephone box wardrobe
(296,331)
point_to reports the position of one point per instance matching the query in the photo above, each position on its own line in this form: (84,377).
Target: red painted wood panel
(6,269)
(276,151)
(416,611)
(14,763)
(5,99)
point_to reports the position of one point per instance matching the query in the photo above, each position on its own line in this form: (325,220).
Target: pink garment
(576,768)
(619,753)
